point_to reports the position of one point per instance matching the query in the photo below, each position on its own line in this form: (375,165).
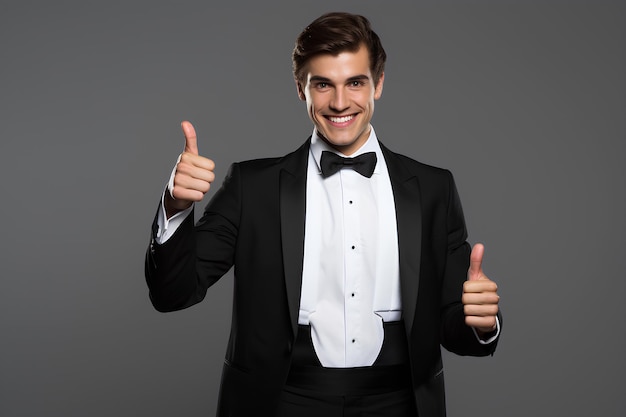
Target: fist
(192,176)
(480,295)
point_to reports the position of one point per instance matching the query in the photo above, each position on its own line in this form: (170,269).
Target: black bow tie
(364,164)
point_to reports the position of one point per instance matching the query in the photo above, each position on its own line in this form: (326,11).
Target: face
(340,93)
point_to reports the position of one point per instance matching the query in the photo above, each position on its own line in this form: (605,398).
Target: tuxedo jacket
(255,223)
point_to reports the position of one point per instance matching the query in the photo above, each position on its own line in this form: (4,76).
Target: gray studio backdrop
(523,100)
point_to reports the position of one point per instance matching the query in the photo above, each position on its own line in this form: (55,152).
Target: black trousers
(383,389)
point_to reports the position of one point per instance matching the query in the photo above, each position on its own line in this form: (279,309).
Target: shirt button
(353,340)
(353,246)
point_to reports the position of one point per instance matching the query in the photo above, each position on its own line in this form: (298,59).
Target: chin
(339,143)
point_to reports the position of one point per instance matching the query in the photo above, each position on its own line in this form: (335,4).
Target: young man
(349,273)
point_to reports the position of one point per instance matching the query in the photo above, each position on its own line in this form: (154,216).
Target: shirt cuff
(167,227)
(491,338)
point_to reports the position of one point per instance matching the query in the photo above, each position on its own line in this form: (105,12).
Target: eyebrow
(319,78)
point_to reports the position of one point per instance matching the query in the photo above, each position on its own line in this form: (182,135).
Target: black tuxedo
(256,222)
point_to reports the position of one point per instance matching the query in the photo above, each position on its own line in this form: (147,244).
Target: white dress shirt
(350,279)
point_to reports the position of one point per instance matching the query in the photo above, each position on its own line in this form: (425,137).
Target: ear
(300,90)
(379,87)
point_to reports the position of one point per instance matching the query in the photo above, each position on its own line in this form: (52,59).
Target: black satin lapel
(292,221)
(407,198)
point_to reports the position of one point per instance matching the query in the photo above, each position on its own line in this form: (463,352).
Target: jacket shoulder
(258,166)
(415,167)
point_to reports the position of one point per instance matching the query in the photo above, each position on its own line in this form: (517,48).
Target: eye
(321,85)
(357,83)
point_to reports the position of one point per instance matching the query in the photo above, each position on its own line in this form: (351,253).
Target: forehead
(339,67)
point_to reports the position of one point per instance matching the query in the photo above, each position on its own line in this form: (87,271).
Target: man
(349,276)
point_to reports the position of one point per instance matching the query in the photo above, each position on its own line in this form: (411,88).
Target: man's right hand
(193,176)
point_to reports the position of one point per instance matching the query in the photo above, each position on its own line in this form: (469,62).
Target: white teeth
(341,119)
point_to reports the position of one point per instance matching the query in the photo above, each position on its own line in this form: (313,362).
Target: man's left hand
(480,295)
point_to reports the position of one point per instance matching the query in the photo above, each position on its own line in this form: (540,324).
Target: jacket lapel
(407,197)
(292,223)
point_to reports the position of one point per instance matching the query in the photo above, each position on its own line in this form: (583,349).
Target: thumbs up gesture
(480,296)
(192,177)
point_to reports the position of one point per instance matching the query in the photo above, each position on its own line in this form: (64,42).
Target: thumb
(191,142)
(476,261)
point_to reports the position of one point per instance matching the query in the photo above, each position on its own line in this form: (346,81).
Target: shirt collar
(318,145)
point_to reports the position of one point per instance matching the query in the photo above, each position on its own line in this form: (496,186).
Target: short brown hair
(334,33)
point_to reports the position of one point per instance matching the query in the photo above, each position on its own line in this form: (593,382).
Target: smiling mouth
(341,119)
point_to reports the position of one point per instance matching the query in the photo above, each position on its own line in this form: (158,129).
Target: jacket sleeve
(179,271)
(456,336)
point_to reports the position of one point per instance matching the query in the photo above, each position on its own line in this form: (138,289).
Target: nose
(339,101)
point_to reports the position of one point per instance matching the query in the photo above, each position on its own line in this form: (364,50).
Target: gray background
(523,101)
